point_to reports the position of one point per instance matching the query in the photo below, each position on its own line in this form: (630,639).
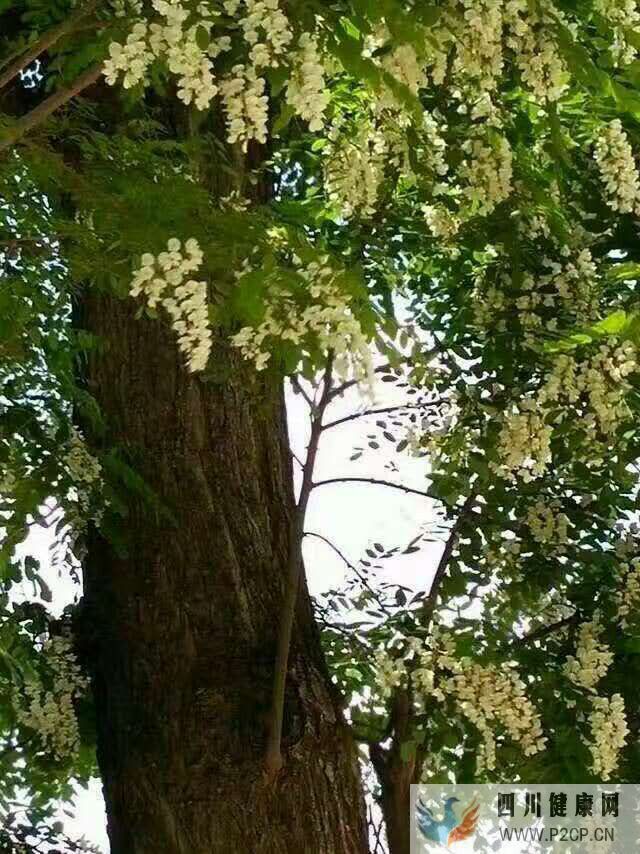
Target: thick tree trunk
(184,624)
(395,776)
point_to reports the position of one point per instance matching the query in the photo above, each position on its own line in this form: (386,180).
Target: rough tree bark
(180,630)
(396,773)
(183,626)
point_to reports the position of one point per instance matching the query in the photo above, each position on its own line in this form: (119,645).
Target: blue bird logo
(450,828)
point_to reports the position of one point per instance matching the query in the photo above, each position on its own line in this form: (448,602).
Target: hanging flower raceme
(164,281)
(627,596)
(486,175)
(524,443)
(177,44)
(592,659)
(492,697)
(306,89)
(547,524)
(329,323)
(246,105)
(187,41)
(47,705)
(618,168)
(608,734)
(623,16)
(266,29)
(354,168)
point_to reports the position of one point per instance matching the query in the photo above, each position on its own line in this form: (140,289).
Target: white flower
(246,105)
(306,89)
(354,169)
(609,731)
(266,29)
(49,709)
(164,280)
(618,168)
(327,321)
(487,173)
(622,16)
(592,659)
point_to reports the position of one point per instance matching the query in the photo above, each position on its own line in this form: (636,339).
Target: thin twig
(375,482)
(42,112)
(295,382)
(45,41)
(297,459)
(382,411)
(443,564)
(273,752)
(361,576)
(545,631)
(338,390)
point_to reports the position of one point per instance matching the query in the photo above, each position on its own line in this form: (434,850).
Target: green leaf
(203,39)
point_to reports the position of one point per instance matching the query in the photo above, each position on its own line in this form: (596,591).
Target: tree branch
(408,489)
(273,752)
(545,631)
(295,382)
(361,576)
(443,564)
(338,390)
(382,411)
(45,41)
(42,112)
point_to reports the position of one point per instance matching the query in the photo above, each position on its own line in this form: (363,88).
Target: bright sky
(352,516)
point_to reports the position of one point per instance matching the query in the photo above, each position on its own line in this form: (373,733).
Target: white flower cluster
(592,659)
(246,105)
(266,29)
(487,173)
(306,90)
(84,471)
(479,29)
(131,59)
(600,382)
(164,281)
(609,731)
(174,43)
(404,65)
(48,707)
(628,593)
(441,222)
(491,697)
(482,31)
(618,168)
(122,8)
(622,16)
(594,389)
(328,321)
(547,524)
(569,286)
(355,168)
(436,144)
(524,443)
(531,38)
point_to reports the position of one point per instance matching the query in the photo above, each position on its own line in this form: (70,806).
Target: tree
(203,199)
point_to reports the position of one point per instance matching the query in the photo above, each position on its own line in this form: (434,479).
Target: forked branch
(273,753)
(45,109)
(24,59)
